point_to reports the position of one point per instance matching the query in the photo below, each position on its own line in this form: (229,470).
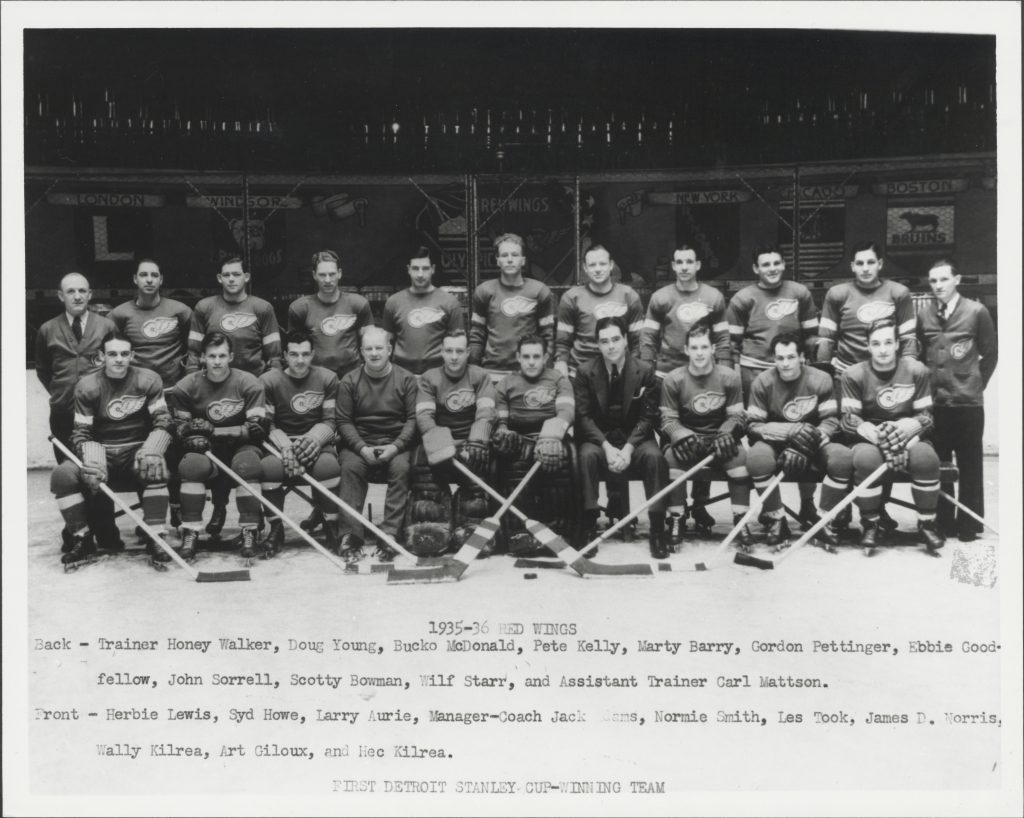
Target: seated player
(221,410)
(617,398)
(376,421)
(794,417)
(886,407)
(535,408)
(701,414)
(459,397)
(120,433)
(300,410)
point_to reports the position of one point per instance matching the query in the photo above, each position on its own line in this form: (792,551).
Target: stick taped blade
(598,569)
(224,576)
(754,562)
(416,576)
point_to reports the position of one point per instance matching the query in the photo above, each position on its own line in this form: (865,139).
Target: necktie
(942,311)
(615,373)
(76,327)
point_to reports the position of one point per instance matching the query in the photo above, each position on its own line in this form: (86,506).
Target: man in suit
(617,399)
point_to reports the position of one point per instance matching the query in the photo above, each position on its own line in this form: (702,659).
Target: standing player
(671,312)
(219,409)
(535,408)
(794,417)
(68,348)
(158,328)
(301,400)
(580,308)
(701,413)
(852,307)
(761,311)
(419,316)
(886,406)
(334,319)
(617,399)
(121,432)
(507,309)
(251,325)
(459,397)
(959,344)
(376,421)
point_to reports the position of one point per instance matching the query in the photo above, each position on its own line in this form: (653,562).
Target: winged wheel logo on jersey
(692,311)
(518,305)
(798,408)
(707,402)
(539,396)
(459,399)
(960,349)
(425,315)
(307,401)
(893,396)
(609,309)
(780,308)
(334,324)
(120,408)
(874,310)
(237,320)
(155,327)
(222,409)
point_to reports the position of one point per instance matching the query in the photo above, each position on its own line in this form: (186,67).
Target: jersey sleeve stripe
(426,406)
(828,324)
(486,403)
(827,407)
(735,329)
(810,323)
(83,420)
(852,404)
(907,326)
(636,326)
(650,323)
(478,319)
(195,336)
(923,403)
(256,412)
(272,338)
(757,413)
(547,320)
(721,326)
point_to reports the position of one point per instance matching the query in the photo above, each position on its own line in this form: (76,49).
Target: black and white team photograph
(437,408)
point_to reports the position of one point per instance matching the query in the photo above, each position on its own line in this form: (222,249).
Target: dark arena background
(190,146)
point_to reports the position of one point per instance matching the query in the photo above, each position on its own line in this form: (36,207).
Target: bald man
(68,348)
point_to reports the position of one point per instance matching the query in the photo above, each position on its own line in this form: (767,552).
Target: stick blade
(741,558)
(414,576)
(598,569)
(224,576)
(526,562)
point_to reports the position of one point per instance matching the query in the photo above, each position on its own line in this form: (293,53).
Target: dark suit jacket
(641,399)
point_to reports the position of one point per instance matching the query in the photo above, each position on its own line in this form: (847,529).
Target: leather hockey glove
(476,455)
(549,452)
(306,450)
(725,446)
(505,441)
(256,430)
(804,437)
(289,460)
(195,435)
(94,464)
(689,450)
(793,462)
(150,464)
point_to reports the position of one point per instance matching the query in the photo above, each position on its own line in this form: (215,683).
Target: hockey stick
(962,507)
(686,475)
(271,507)
(478,539)
(766,564)
(565,552)
(385,538)
(198,576)
(747,517)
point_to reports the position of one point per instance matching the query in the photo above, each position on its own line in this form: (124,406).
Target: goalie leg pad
(470,505)
(428,514)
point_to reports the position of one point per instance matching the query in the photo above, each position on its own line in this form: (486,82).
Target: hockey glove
(292,465)
(725,446)
(94,464)
(550,453)
(804,437)
(793,462)
(195,434)
(306,450)
(689,450)
(256,429)
(505,441)
(476,455)
(150,464)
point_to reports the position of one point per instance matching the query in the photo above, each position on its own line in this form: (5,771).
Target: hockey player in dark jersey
(459,397)
(959,344)
(301,401)
(251,325)
(534,409)
(333,318)
(580,307)
(158,328)
(887,409)
(419,316)
(761,311)
(852,307)
(508,308)
(376,422)
(702,413)
(671,312)
(121,432)
(794,420)
(219,409)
